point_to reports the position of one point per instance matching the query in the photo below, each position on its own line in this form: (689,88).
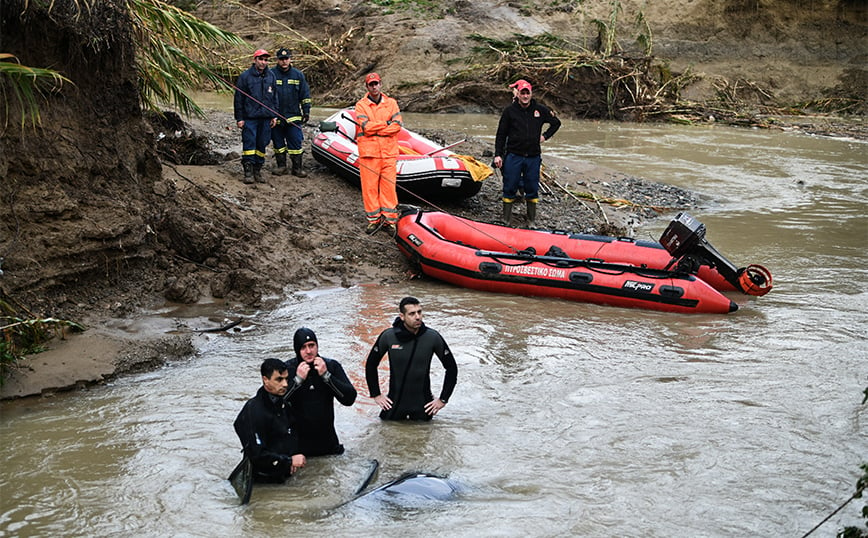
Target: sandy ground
(78,360)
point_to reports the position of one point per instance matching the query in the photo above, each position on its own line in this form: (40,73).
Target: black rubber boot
(507,213)
(257,173)
(296,166)
(248,172)
(280,168)
(531,215)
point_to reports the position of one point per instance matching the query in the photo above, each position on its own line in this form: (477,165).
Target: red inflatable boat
(588,268)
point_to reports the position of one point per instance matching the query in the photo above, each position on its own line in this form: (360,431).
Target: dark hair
(269,366)
(405,301)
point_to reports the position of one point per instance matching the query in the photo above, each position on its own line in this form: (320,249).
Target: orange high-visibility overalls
(379,123)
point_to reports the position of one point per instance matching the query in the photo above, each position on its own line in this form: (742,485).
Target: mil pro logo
(644,287)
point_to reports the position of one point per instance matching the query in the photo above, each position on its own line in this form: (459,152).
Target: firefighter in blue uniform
(294,98)
(255,114)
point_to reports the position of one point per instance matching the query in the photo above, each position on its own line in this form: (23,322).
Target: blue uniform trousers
(521,172)
(287,138)
(254,139)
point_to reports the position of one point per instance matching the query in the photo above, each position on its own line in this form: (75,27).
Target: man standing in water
(317,382)
(255,114)
(266,428)
(410,345)
(517,150)
(379,122)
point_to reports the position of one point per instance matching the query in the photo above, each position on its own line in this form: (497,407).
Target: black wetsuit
(266,428)
(409,370)
(312,402)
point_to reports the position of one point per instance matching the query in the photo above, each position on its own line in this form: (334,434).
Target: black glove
(305,118)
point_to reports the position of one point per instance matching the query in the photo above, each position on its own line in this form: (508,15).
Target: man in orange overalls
(379,122)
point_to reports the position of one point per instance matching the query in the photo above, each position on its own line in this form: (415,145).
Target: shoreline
(328,246)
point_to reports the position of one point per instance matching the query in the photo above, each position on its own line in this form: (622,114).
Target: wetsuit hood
(301,337)
(403,334)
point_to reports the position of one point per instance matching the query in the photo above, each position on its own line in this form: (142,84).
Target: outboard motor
(684,239)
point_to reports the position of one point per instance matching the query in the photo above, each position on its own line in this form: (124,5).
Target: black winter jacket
(519,129)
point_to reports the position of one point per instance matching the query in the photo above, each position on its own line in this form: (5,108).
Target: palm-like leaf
(172,44)
(23,85)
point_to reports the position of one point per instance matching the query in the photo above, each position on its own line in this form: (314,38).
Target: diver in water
(410,345)
(316,384)
(266,428)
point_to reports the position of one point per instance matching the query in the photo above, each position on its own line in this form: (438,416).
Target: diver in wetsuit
(316,383)
(410,345)
(266,428)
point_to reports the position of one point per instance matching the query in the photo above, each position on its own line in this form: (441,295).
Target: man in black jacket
(317,382)
(517,150)
(266,427)
(410,345)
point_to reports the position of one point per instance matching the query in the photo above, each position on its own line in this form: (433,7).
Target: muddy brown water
(568,419)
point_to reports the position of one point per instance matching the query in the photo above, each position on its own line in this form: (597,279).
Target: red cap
(261,52)
(521,84)
(371,78)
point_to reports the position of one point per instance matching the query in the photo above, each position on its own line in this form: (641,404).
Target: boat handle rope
(592,264)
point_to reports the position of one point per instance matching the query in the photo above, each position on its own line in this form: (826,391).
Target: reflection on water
(568,419)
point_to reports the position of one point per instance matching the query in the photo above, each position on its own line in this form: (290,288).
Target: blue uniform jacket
(259,97)
(293,93)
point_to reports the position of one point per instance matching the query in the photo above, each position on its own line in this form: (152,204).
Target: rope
(856,495)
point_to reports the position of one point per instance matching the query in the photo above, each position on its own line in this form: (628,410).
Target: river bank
(110,223)
(242,246)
